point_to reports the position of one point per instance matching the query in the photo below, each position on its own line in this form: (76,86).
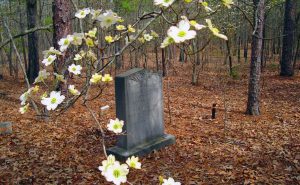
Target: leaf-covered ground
(232,149)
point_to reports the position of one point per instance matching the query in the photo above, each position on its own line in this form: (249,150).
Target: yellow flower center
(181,34)
(117,173)
(53,100)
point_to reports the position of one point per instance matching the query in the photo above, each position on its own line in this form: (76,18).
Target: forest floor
(233,149)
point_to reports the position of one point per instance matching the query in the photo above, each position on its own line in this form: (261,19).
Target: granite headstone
(139,102)
(5,128)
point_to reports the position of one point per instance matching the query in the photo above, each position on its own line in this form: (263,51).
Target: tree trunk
(255,71)
(33,51)
(22,29)
(286,62)
(62,25)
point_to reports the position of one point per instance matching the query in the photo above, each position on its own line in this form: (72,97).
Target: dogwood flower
(148,37)
(120,27)
(227,3)
(75,69)
(181,32)
(109,39)
(51,51)
(92,33)
(89,42)
(106,163)
(77,39)
(73,91)
(107,78)
(167,41)
(65,42)
(115,126)
(95,13)
(206,7)
(53,100)
(133,162)
(23,98)
(130,28)
(96,78)
(170,181)
(77,57)
(154,34)
(196,25)
(141,39)
(24,109)
(214,30)
(107,19)
(48,61)
(60,77)
(117,173)
(80,14)
(43,74)
(165,3)
(35,89)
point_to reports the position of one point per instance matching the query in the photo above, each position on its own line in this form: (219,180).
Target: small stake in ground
(213,111)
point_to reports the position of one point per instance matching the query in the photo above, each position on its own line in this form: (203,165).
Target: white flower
(51,51)
(65,42)
(182,32)
(48,61)
(80,14)
(95,13)
(170,181)
(205,5)
(115,126)
(167,41)
(106,163)
(117,173)
(196,25)
(164,3)
(23,98)
(75,69)
(77,57)
(133,162)
(107,19)
(43,74)
(148,37)
(73,91)
(24,109)
(107,78)
(227,3)
(53,101)
(77,39)
(60,77)
(95,78)
(214,30)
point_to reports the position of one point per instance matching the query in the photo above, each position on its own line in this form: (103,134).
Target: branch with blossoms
(83,62)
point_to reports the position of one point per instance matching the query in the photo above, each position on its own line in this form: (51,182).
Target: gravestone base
(143,149)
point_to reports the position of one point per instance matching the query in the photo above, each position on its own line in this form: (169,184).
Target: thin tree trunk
(33,51)
(255,71)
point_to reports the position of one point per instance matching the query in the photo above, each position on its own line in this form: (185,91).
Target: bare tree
(255,66)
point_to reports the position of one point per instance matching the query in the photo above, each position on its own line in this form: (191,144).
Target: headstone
(139,102)
(5,128)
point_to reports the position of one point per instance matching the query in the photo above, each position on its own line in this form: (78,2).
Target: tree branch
(7,41)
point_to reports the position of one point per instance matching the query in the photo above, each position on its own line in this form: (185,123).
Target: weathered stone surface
(139,102)
(5,128)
